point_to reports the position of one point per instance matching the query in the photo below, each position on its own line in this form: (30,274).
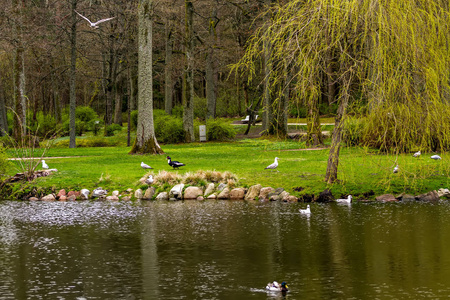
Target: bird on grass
(436,157)
(396,169)
(94,24)
(348,200)
(306,211)
(44,165)
(417,154)
(145,166)
(274,165)
(173,163)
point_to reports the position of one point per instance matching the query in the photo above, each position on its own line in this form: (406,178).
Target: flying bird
(145,166)
(95,24)
(274,165)
(173,163)
(436,157)
(44,165)
(417,154)
(306,211)
(396,169)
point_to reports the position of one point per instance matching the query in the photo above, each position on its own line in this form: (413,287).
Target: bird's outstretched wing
(84,18)
(103,20)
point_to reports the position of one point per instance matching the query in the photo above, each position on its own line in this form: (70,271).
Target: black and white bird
(417,154)
(145,166)
(173,163)
(436,157)
(44,165)
(306,211)
(348,200)
(274,165)
(396,169)
(94,24)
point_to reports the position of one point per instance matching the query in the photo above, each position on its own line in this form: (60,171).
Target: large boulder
(176,193)
(209,189)
(290,199)
(138,194)
(61,193)
(149,193)
(275,195)
(429,197)
(224,194)
(162,196)
(237,194)
(192,192)
(112,198)
(49,197)
(264,193)
(386,198)
(253,192)
(212,197)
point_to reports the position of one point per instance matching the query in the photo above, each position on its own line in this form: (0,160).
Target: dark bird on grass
(145,166)
(417,154)
(94,24)
(274,165)
(436,157)
(173,163)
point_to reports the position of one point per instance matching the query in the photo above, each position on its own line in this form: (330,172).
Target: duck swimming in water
(276,287)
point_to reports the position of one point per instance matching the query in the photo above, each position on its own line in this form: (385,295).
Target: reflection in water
(223,250)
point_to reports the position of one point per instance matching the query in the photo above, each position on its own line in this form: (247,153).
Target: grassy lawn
(362,172)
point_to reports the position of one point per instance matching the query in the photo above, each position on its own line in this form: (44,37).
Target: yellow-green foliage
(392,55)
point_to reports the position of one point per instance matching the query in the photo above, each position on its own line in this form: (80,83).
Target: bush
(44,125)
(134,119)
(94,126)
(80,127)
(200,108)
(177,111)
(352,131)
(85,114)
(110,129)
(219,130)
(169,129)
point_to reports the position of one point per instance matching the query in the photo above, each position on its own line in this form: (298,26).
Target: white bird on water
(436,157)
(274,165)
(417,154)
(95,24)
(396,169)
(306,211)
(145,166)
(348,200)
(44,165)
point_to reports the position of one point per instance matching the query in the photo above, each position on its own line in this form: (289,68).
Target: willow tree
(390,54)
(145,135)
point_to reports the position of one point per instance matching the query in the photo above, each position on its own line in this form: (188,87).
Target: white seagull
(436,157)
(145,166)
(149,180)
(95,24)
(417,154)
(306,211)
(396,169)
(274,165)
(348,200)
(44,165)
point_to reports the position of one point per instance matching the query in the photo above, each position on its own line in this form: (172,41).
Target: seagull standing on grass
(306,211)
(417,154)
(44,165)
(274,165)
(436,157)
(95,24)
(145,166)
(396,169)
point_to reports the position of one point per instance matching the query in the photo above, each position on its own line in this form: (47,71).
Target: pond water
(223,250)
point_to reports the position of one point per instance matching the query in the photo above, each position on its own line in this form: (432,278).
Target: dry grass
(198,178)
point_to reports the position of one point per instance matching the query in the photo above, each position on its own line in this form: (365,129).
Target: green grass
(360,170)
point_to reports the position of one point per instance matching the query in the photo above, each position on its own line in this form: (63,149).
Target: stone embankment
(220,192)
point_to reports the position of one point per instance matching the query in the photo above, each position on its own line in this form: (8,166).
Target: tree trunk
(210,70)
(3,116)
(145,136)
(168,83)
(188,99)
(72,80)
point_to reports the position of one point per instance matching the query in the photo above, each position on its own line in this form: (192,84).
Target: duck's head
(283,284)
(168,157)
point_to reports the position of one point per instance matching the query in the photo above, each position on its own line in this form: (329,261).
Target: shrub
(177,111)
(44,125)
(94,126)
(85,114)
(200,108)
(134,119)
(169,129)
(219,130)
(352,131)
(110,129)
(79,127)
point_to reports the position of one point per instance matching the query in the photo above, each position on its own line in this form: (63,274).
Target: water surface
(223,250)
